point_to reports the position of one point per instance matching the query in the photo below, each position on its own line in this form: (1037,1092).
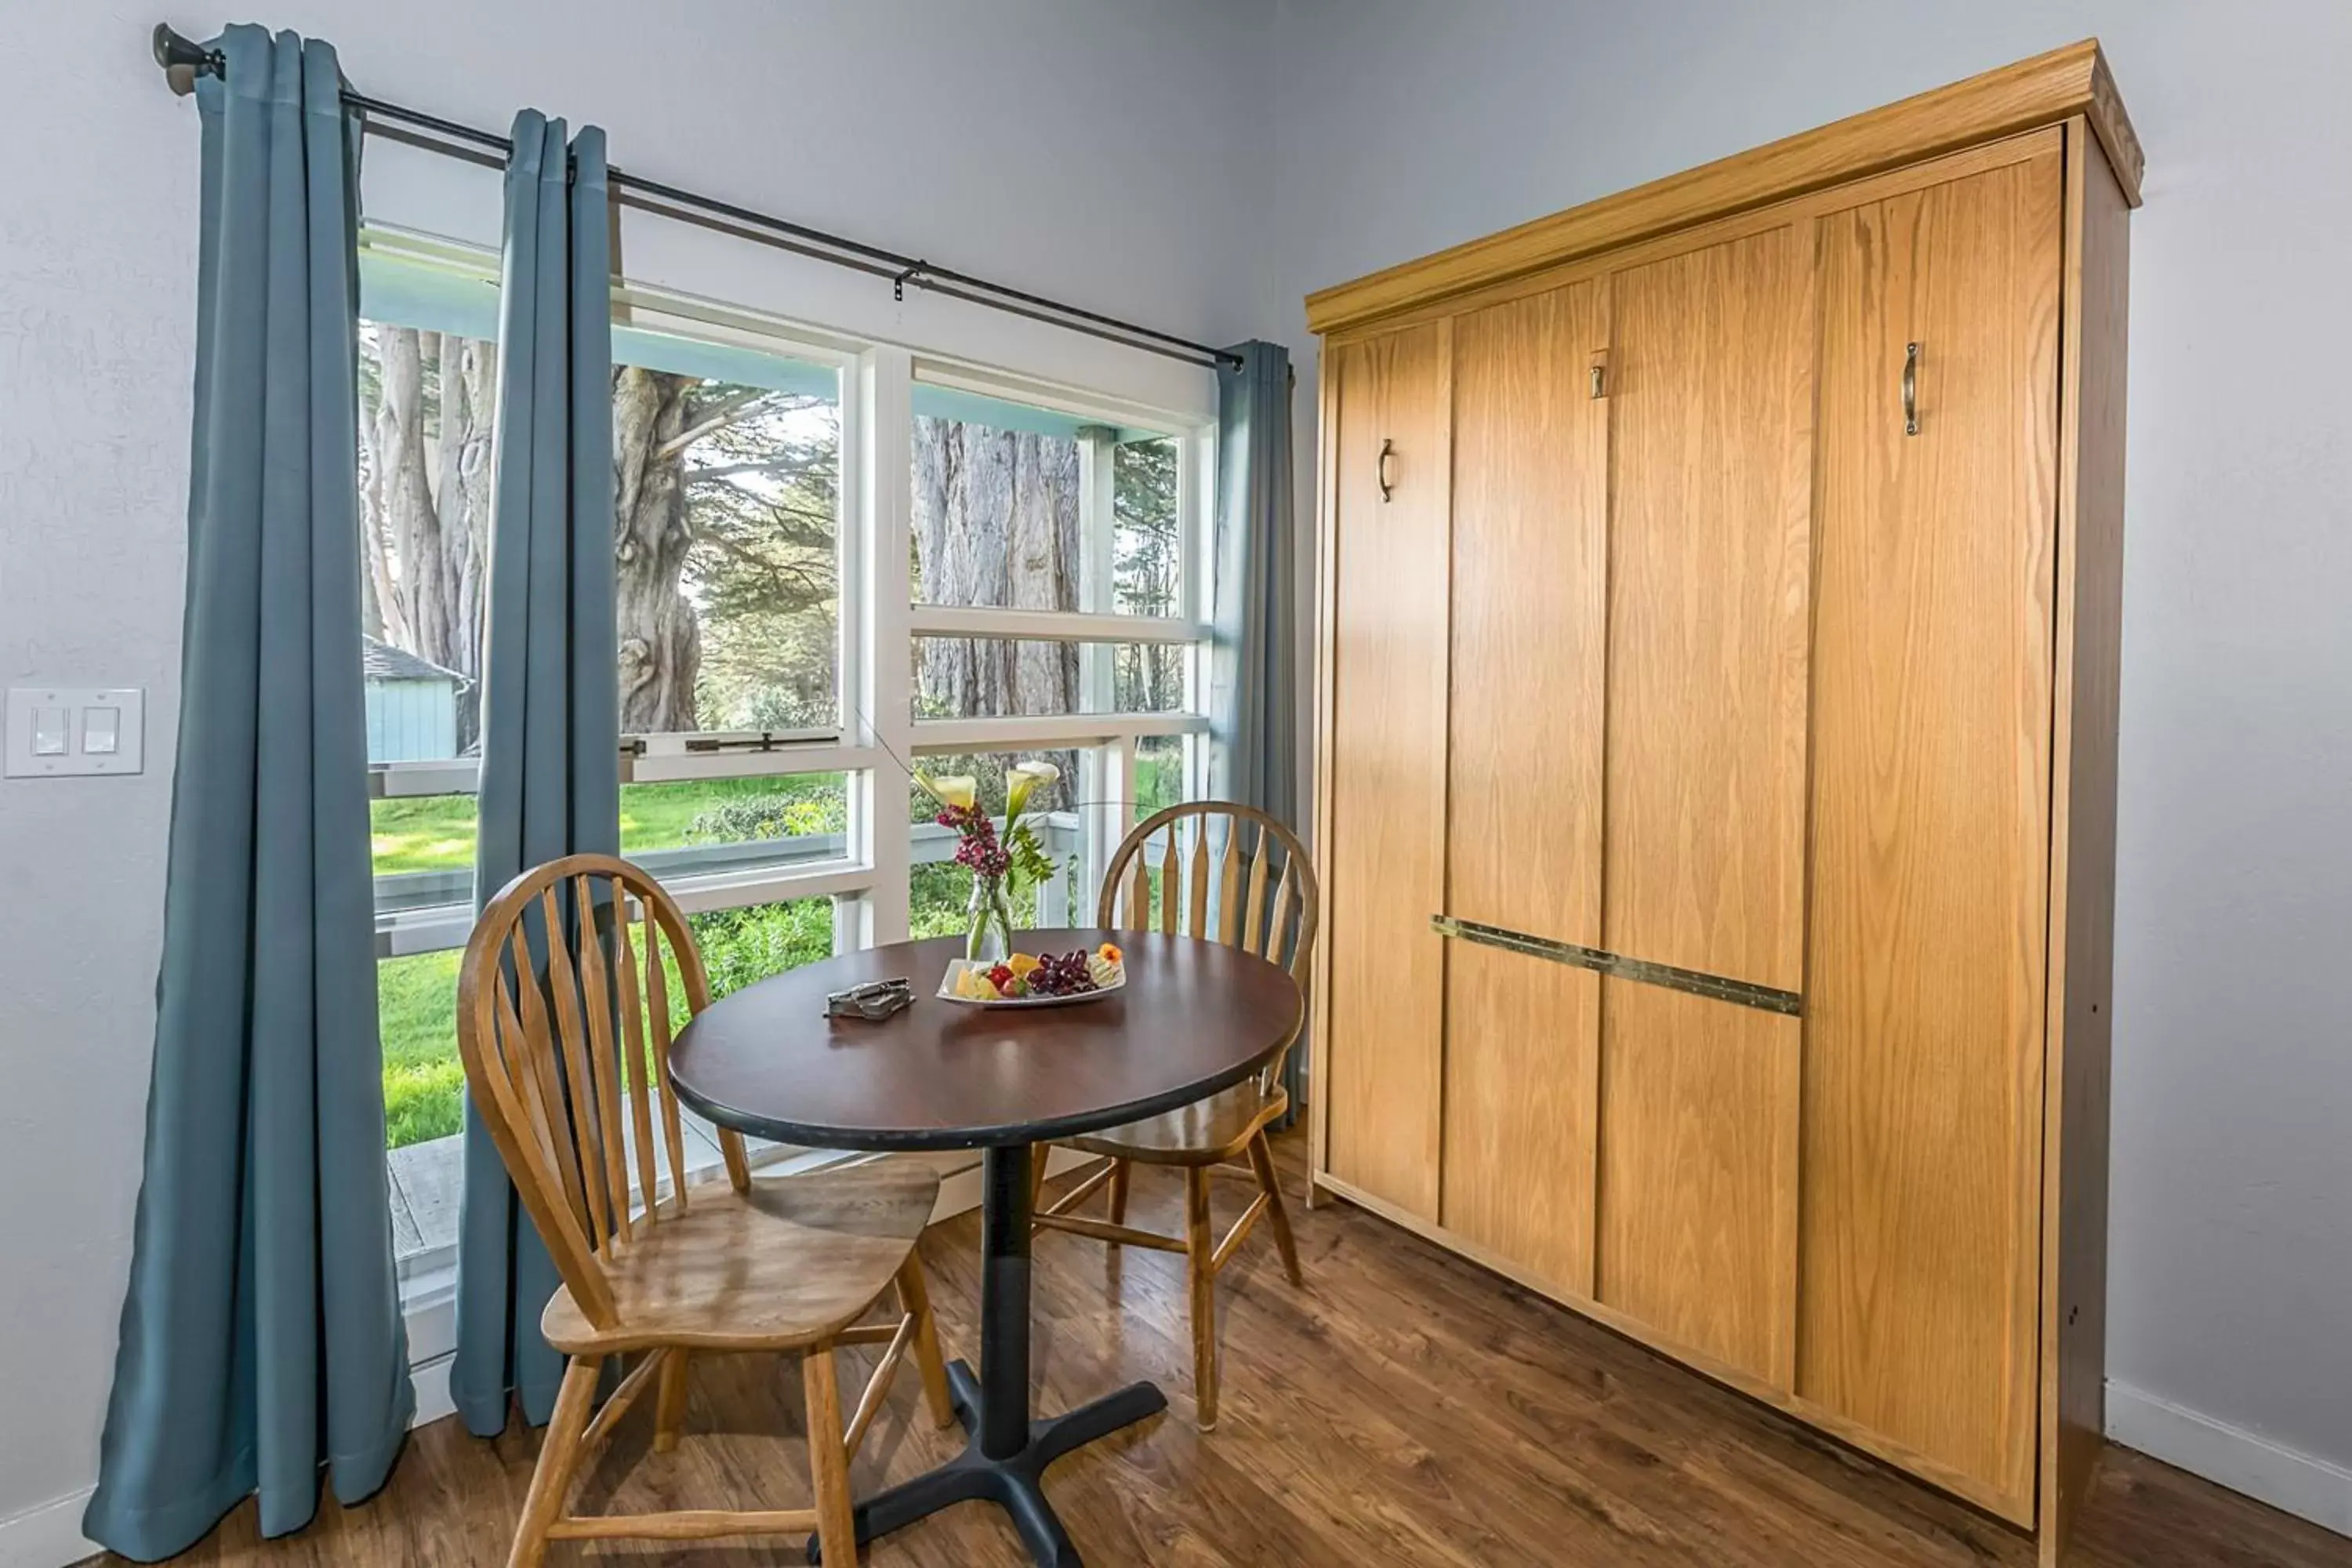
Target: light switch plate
(120,713)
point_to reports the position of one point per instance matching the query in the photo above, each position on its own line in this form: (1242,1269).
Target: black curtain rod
(183,59)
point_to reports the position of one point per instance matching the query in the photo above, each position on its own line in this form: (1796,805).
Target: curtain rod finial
(183,59)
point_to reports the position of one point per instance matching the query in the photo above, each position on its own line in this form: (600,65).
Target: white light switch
(56,731)
(99,727)
(52,732)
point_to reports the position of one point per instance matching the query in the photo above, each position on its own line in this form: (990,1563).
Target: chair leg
(669,1401)
(1200,1249)
(836,1527)
(915,1301)
(1040,1155)
(1119,1173)
(1261,1158)
(551,1480)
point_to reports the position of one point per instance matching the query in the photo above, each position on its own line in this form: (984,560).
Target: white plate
(958,966)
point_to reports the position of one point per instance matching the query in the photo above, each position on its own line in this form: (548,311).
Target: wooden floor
(1404,1408)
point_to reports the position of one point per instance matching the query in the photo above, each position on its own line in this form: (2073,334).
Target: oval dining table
(1194,1017)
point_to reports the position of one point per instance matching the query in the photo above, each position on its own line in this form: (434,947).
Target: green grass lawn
(417,1008)
(435,832)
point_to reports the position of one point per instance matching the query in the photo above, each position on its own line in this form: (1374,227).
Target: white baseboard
(2301,1484)
(48,1534)
(430,1378)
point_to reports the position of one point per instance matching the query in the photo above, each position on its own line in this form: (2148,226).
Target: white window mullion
(1048,731)
(885,378)
(1061,626)
(1118,805)
(1097,459)
(1196,542)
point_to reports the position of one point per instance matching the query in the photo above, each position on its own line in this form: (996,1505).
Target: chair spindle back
(565,1003)
(1193,857)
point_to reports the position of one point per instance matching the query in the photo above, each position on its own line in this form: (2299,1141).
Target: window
(1052,610)
(1058,586)
(426,396)
(727,523)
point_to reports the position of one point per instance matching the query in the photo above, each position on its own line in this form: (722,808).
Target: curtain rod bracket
(911,275)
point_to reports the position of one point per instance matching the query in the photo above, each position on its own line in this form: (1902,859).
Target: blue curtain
(1253,659)
(551,699)
(261,1332)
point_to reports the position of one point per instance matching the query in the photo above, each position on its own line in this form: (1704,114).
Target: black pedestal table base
(1012,1484)
(1005,1460)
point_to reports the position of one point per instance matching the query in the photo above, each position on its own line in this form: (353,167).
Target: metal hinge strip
(1697,982)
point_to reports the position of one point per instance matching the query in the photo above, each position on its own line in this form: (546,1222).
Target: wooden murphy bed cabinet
(1721,595)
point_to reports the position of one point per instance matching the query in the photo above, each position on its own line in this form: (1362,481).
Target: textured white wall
(1082,149)
(1410,127)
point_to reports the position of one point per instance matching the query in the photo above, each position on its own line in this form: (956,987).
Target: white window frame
(878,618)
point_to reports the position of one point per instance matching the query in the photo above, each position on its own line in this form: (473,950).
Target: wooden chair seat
(785,1265)
(1207,1132)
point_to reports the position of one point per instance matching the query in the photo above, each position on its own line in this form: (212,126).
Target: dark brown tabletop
(1194,1017)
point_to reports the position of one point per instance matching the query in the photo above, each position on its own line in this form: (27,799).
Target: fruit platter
(1036,980)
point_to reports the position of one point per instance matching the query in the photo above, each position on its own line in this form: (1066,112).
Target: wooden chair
(1224,1135)
(579,1107)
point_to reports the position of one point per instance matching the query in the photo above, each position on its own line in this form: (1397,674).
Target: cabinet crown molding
(2044,90)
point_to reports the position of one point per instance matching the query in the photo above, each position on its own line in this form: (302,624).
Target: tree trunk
(995,524)
(660,640)
(410,532)
(375,573)
(469,380)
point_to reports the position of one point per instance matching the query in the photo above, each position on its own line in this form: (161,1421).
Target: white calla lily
(1024,778)
(957,790)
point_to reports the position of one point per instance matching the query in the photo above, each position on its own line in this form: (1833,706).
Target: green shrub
(740,946)
(756,818)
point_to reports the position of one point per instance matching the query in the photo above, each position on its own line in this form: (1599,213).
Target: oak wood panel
(2083,841)
(1710,500)
(2047,89)
(1530,607)
(1522,1057)
(1407,1409)
(1931,820)
(1385,854)
(1698,1174)
(1327,640)
(1529,537)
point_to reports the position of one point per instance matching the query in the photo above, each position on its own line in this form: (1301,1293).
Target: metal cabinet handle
(1910,389)
(1381,469)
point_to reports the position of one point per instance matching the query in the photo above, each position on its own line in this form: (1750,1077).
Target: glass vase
(988,921)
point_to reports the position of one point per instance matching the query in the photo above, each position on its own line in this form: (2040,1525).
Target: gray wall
(1071,146)
(1410,127)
